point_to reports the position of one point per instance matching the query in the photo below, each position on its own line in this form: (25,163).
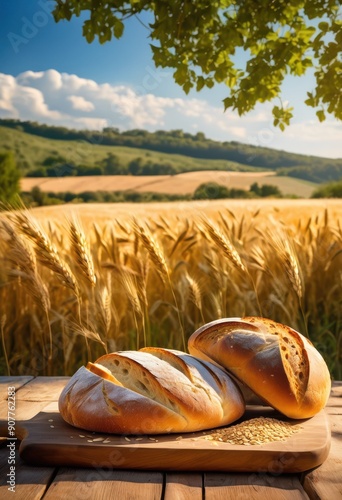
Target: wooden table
(33,394)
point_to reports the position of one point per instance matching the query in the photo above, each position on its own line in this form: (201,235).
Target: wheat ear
(194,291)
(21,256)
(230,252)
(224,244)
(130,288)
(152,248)
(81,254)
(289,259)
(159,261)
(46,253)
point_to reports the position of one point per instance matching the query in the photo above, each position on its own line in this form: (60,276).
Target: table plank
(24,410)
(31,482)
(102,483)
(32,396)
(255,486)
(16,382)
(42,389)
(183,486)
(325,482)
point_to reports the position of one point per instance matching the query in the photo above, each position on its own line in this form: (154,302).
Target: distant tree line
(330,190)
(56,166)
(330,171)
(193,145)
(206,191)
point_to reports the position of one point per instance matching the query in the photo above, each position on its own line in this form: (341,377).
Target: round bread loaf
(150,391)
(278,364)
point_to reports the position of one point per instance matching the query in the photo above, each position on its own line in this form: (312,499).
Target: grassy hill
(33,153)
(46,150)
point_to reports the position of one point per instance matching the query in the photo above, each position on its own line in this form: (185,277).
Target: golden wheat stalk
(257,259)
(129,285)
(153,249)
(288,256)
(157,257)
(81,254)
(103,303)
(195,295)
(80,329)
(224,244)
(228,249)
(22,258)
(46,253)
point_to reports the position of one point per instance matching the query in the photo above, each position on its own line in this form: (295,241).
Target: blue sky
(50,74)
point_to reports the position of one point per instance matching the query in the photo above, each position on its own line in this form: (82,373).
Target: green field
(32,150)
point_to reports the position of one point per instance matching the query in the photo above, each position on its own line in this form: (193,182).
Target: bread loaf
(150,391)
(277,363)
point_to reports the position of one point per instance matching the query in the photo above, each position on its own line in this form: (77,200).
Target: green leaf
(88,32)
(323,26)
(187,87)
(228,103)
(210,83)
(200,83)
(118,29)
(181,75)
(320,115)
(106,36)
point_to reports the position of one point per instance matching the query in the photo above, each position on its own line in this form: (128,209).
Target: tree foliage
(330,190)
(201,40)
(9,177)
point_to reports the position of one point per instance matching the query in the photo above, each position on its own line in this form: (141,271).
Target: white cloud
(78,102)
(23,101)
(65,99)
(7,85)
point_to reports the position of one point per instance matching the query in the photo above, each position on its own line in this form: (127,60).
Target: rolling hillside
(41,149)
(33,152)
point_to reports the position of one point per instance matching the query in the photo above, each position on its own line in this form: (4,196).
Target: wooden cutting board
(47,440)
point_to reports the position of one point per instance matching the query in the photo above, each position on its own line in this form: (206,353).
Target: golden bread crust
(150,391)
(277,363)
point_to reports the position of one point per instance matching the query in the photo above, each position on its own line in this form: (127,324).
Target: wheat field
(183,183)
(78,282)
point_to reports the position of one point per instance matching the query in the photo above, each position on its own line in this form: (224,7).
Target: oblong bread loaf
(150,391)
(277,363)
